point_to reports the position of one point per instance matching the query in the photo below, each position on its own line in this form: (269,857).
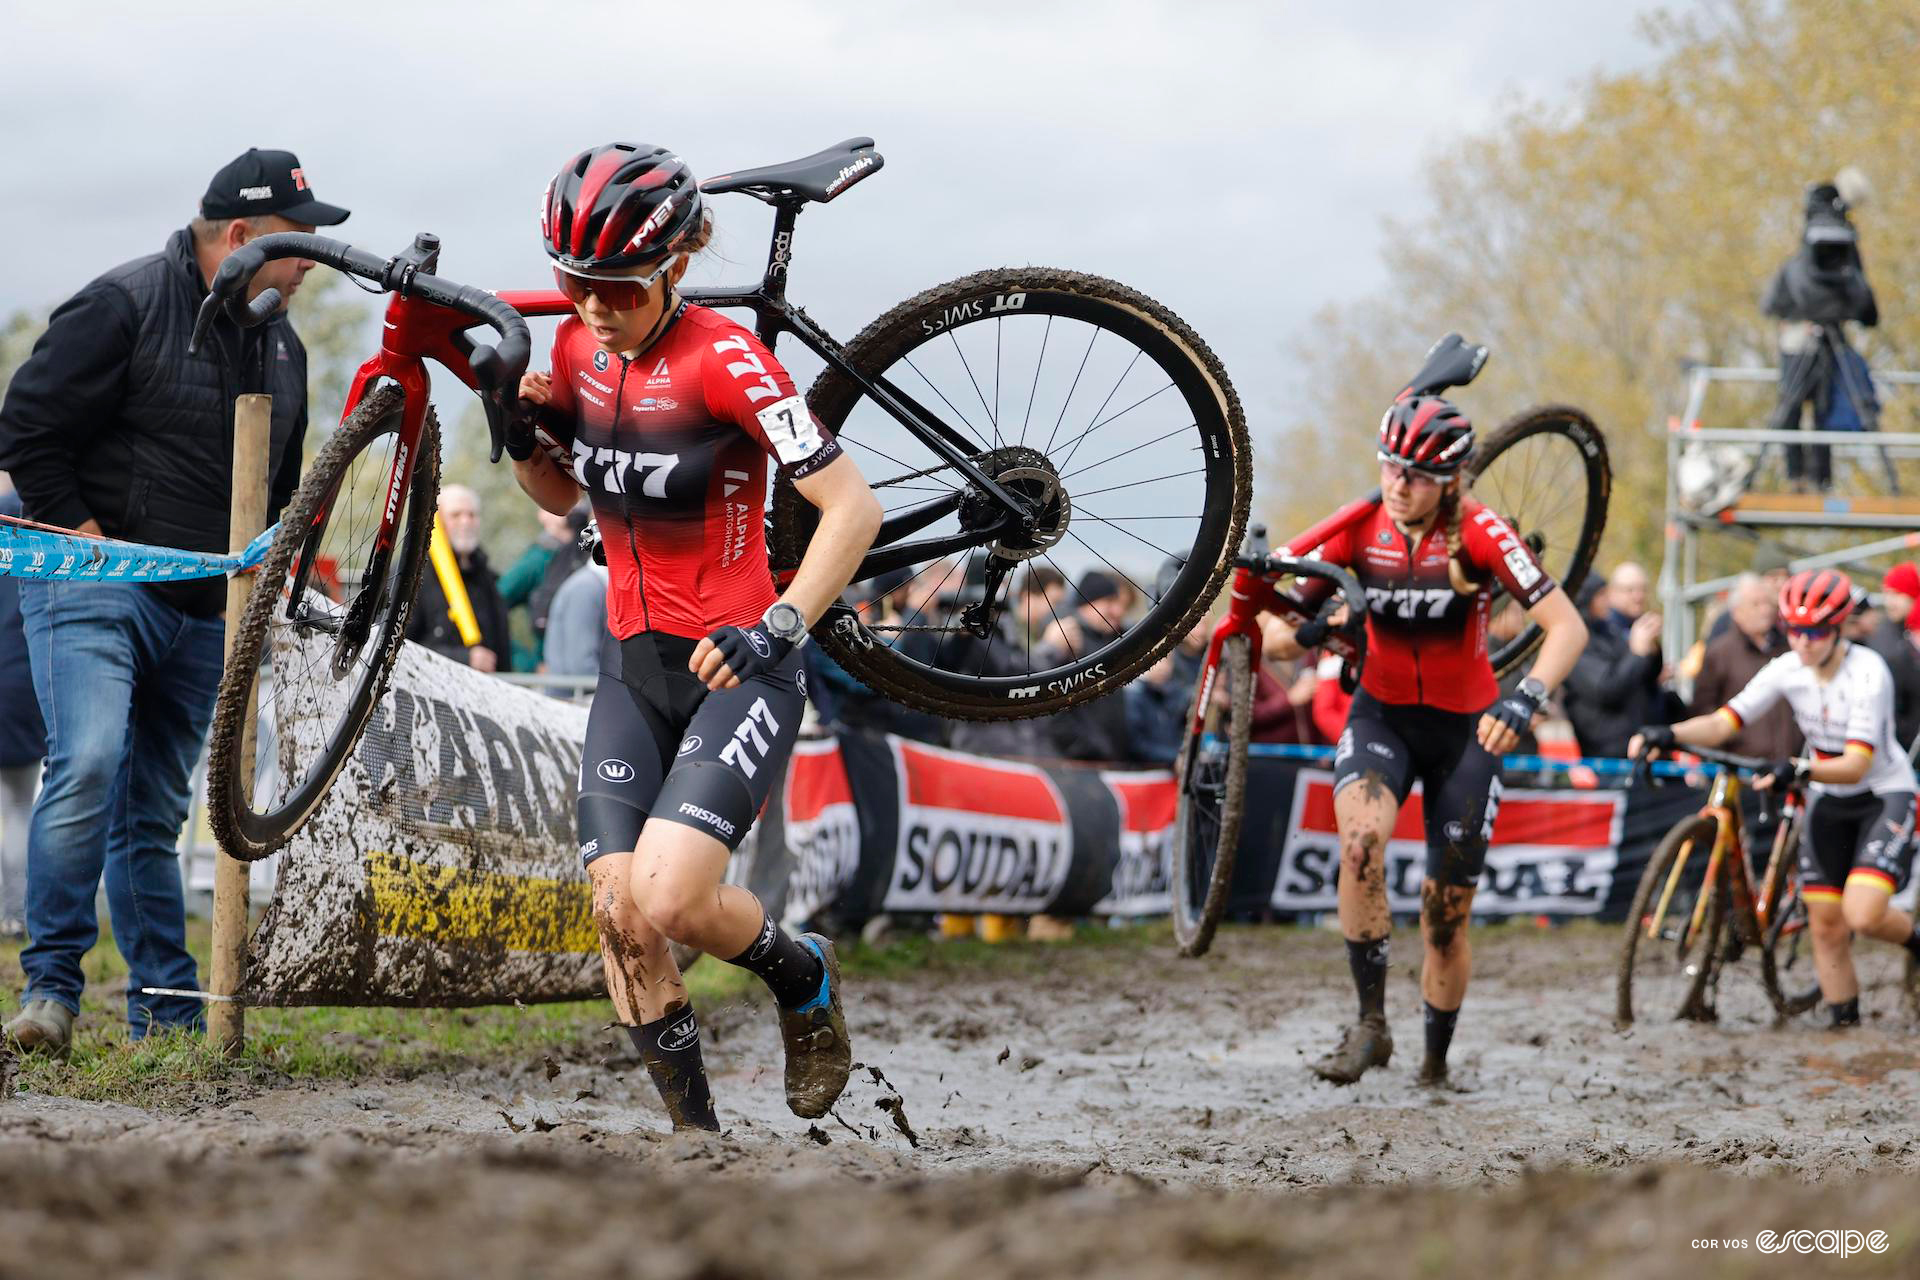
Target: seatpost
(780,253)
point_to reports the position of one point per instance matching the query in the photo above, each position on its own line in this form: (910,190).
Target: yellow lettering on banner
(466,908)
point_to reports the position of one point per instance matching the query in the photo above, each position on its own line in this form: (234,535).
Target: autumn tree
(1601,246)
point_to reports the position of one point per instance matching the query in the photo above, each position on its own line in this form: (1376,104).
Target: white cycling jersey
(1853,710)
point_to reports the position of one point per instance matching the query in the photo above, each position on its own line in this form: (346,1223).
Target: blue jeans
(126,684)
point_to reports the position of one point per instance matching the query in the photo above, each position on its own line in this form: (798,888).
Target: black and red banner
(885,824)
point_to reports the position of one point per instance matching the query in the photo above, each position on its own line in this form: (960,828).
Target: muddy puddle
(1110,1112)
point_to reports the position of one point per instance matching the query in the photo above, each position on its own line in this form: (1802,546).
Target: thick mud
(1100,1110)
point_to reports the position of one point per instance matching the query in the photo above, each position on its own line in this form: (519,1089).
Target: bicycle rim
(1083,396)
(1212,777)
(307,667)
(1652,973)
(1546,473)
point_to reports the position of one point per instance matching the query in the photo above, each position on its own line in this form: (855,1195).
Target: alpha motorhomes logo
(976,835)
(1142,883)
(1552,851)
(823,829)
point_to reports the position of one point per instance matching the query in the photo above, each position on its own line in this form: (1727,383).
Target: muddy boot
(1433,1073)
(42,1026)
(819,1055)
(1363,1044)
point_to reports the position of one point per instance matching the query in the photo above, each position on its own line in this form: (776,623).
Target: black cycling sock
(790,970)
(1440,1031)
(670,1046)
(1912,944)
(1368,960)
(1846,1013)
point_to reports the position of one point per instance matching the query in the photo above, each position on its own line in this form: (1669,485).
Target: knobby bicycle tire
(1645,897)
(1787,907)
(1218,420)
(240,830)
(1200,769)
(1595,484)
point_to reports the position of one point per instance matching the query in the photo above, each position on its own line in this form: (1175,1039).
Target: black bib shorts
(1440,749)
(660,745)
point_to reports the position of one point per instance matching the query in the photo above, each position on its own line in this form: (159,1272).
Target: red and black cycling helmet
(1816,598)
(624,204)
(1427,434)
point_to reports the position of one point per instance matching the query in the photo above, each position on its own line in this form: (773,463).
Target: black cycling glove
(1517,709)
(518,439)
(750,651)
(1657,737)
(1787,773)
(1312,633)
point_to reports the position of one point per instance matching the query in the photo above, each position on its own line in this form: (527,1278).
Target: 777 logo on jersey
(1411,602)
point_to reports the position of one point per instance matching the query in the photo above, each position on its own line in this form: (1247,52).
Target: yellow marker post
(452,585)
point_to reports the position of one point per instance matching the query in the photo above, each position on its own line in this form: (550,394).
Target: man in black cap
(111,427)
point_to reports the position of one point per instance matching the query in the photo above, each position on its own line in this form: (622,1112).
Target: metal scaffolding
(1848,506)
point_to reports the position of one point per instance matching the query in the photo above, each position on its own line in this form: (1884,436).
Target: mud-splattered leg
(1364,810)
(649,996)
(1445,968)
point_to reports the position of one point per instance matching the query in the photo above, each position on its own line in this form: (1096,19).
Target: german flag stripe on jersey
(1871,876)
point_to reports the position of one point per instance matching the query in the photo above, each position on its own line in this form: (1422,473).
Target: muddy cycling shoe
(1433,1073)
(1363,1044)
(819,1055)
(41,1026)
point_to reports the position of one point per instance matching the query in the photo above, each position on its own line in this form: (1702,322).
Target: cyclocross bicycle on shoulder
(1544,471)
(1016,416)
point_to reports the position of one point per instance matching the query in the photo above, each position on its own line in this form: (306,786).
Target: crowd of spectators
(1621,682)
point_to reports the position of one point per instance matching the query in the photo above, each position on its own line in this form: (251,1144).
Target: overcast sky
(1233,160)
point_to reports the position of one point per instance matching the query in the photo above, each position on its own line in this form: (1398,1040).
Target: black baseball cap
(258,182)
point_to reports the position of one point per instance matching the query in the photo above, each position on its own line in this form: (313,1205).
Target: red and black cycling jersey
(671,448)
(1427,643)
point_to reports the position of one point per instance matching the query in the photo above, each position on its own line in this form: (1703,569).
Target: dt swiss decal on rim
(973,309)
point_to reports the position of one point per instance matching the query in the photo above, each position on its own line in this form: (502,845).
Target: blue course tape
(1604,765)
(31,551)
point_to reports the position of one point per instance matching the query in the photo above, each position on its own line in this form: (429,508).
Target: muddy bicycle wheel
(1656,955)
(306,670)
(1787,944)
(1093,402)
(1211,773)
(1546,473)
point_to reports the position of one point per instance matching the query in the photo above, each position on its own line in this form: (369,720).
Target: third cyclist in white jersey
(1856,844)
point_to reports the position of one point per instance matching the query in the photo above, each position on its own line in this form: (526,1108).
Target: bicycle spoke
(1073,446)
(1084,356)
(965,364)
(1124,453)
(1034,390)
(1094,493)
(943,400)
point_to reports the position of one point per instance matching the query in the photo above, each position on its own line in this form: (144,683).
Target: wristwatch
(1533,689)
(784,621)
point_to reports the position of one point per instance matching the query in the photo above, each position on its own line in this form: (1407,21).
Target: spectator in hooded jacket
(1615,686)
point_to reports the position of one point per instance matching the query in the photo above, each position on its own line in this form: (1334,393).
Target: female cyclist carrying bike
(1856,841)
(1428,709)
(667,416)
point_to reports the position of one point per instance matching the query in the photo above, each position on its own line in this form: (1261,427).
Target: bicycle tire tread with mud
(231,710)
(1194,930)
(833,395)
(1592,443)
(1651,880)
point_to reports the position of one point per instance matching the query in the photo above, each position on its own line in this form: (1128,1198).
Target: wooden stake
(252,433)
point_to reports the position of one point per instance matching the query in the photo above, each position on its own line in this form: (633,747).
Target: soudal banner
(1553,852)
(1140,883)
(976,834)
(822,829)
